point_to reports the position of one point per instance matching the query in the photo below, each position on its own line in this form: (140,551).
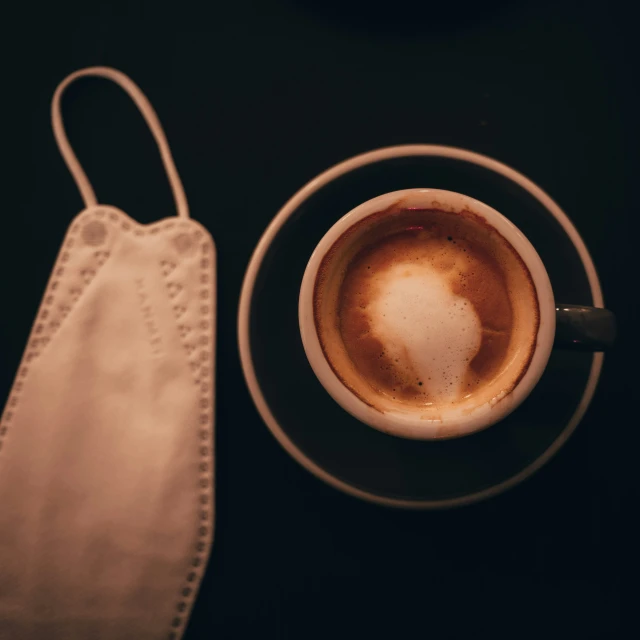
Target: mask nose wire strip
(151,118)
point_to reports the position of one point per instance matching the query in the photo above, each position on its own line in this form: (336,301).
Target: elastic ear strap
(80,177)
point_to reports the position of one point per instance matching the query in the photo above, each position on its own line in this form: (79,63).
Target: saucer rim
(255,263)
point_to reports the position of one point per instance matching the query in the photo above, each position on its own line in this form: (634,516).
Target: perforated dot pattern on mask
(195,340)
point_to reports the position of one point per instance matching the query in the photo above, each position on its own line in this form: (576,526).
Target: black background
(257,98)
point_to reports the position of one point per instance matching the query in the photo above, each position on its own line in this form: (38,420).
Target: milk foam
(425,327)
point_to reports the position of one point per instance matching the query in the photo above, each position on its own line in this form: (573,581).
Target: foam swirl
(429,333)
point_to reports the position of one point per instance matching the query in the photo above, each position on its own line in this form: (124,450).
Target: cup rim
(411,424)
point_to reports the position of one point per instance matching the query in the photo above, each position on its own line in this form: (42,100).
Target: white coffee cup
(411,423)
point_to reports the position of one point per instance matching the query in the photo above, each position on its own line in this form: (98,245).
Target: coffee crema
(425,309)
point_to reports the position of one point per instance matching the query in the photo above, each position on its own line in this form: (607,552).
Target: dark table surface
(256,99)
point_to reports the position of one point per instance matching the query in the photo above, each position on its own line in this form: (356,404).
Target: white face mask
(106,448)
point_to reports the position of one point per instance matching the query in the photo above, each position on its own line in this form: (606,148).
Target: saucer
(328,441)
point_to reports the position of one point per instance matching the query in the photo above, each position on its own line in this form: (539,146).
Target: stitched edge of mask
(202,367)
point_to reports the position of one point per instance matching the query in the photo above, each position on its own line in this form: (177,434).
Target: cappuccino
(419,310)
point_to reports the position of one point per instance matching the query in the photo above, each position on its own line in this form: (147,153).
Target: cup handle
(584,328)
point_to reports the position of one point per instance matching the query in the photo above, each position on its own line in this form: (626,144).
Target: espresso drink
(425,310)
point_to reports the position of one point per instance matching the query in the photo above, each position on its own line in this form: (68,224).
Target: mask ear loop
(149,114)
